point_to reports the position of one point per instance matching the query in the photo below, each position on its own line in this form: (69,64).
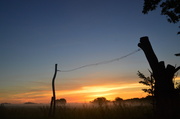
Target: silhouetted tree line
(101,101)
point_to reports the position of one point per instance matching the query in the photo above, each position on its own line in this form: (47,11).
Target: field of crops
(85,111)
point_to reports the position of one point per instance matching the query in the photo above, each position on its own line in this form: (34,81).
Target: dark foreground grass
(83,112)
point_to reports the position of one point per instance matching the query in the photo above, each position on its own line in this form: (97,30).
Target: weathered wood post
(165,95)
(53,99)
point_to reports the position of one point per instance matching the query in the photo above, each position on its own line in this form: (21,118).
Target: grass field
(85,111)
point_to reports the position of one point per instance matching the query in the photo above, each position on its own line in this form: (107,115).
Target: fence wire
(101,63)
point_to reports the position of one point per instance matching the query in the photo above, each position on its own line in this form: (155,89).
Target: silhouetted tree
(148,81)
(100,101)
(118,101)
(166,97)
(169,8)
(30,103)
(61,101)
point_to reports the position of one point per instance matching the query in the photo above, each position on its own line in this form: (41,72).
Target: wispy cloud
(41,92)
(92,91)
(101,88)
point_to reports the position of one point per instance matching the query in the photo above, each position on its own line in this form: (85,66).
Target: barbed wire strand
(100,63)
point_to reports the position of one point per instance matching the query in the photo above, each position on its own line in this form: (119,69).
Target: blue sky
(36,34)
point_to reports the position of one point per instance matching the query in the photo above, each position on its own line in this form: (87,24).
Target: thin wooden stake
(53,99)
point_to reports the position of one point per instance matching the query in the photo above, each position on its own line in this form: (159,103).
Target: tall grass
(113,111)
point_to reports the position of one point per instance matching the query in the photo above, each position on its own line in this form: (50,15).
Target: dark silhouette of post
(165,95)
(53,99)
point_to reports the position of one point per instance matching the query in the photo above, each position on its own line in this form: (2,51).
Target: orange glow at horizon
(81,94)
(88,93)
(177,79)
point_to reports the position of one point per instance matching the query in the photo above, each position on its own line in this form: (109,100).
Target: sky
(37,34)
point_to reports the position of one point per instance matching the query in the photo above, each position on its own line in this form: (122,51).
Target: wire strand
(102,62)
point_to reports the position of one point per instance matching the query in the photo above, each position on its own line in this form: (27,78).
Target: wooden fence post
(53,99)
